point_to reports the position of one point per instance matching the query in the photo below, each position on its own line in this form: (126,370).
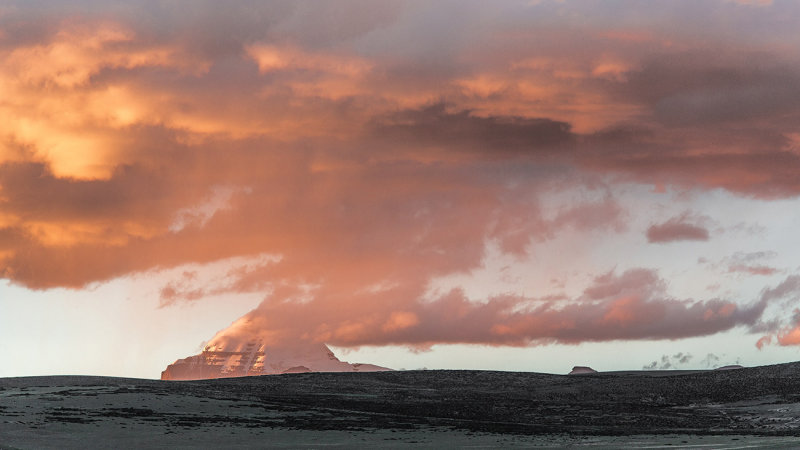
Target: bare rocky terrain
(705,409)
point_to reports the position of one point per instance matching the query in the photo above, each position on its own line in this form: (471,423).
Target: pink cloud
(763,341)
(676,229)
(632,305)
(752,263)
(782,331)
(753,270)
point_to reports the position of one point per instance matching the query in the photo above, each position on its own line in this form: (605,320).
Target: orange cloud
(53,107)
(399,321)
(789,336)
(80,50)
(273,58)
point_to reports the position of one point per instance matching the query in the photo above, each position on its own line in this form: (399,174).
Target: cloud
(748,263)
(789,288)
(783,331)
(763,342)
(271,58)
(435,127)
(710,86)
(669,362)
(197,282)
(745,263)
(378,151)
(711,360)
(752,2)
(631,305)
(677,229)
(70,126)
(789,335)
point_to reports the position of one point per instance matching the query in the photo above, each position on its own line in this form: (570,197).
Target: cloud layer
(368,149)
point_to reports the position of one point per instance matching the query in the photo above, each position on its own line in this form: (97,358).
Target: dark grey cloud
(696,88)
(436,127)
(34,193)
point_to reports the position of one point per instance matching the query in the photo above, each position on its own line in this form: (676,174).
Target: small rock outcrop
(580,370)
(730,367)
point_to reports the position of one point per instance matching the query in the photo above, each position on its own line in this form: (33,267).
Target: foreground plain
(744,408)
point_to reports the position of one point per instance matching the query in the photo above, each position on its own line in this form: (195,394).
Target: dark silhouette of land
(759,405)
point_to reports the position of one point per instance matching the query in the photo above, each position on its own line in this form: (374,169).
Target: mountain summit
(252,358)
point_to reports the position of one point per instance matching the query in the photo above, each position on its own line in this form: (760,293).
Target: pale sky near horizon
(512,185)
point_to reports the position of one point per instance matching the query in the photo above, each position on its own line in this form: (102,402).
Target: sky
(510,185)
